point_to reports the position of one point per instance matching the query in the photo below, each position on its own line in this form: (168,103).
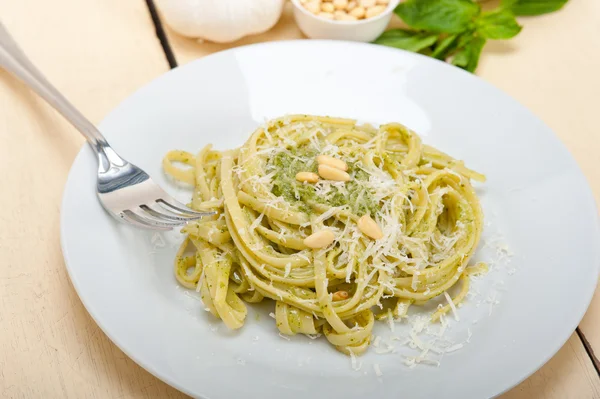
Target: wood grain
(97,52)
(568,375)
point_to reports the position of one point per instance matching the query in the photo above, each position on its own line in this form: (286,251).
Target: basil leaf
(476,48)
(441,16)
(533,7)
(448,46)
(406,40)
(461,58)
(445,47)
(465,39)
(468,57)
(498,24)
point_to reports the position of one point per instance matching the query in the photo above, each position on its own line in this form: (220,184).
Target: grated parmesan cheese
(390,318)
(284,337)
(356,364)
(377,369)
(288,268)
(454,348)
(452,306)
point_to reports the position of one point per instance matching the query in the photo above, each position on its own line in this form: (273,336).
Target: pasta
(394,224)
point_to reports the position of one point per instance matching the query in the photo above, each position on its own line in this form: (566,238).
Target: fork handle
(15,61)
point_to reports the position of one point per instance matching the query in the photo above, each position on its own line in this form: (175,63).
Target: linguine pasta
(423,224)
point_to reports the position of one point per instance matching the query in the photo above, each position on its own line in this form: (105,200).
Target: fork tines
(163,214)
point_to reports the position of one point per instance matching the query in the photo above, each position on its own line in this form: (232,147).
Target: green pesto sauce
(285,185)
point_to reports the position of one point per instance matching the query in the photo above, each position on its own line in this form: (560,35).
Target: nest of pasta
(389,223)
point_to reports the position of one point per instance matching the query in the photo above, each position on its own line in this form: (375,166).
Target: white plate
(537,203)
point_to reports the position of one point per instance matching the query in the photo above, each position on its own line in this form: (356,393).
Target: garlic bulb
(220,20)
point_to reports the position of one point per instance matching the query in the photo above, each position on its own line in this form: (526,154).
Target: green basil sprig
(456,30)
(533,7)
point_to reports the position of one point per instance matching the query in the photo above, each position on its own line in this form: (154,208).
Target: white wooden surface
(97,52)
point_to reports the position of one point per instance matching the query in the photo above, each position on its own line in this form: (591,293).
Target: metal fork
(125,191)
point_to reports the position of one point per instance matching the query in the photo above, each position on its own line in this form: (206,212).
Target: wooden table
(97,52)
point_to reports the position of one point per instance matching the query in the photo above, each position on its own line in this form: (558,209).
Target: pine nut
(307,177)
(351,5)
(340,4)
(374,11)
(320,239)
(327,7)
(339,295)
(329,173)
(326,15)
(331,161)
(345,17)
(383,2)
(367,3)
(313,6)
(369,227)
(358,12)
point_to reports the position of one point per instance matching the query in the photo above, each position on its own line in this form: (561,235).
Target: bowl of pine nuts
(354,20)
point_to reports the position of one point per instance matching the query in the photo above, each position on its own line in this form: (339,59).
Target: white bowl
(364,30)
